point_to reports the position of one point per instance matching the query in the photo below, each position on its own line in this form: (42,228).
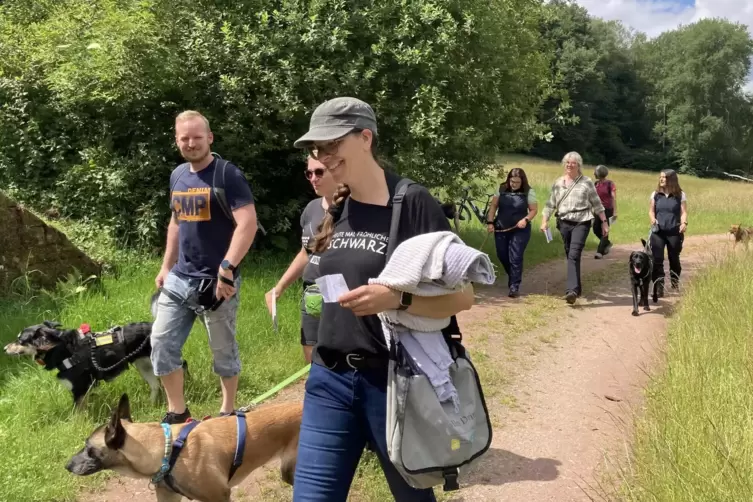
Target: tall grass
(695,439)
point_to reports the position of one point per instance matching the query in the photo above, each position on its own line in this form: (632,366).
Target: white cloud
(657,16)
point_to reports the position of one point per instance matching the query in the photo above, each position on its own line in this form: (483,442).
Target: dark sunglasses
(318,172)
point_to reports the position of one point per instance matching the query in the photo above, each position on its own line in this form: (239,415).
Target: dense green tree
(89,90)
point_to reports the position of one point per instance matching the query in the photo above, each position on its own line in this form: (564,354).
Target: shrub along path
(561,384)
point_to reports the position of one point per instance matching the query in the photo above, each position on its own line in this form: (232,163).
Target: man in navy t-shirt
(200,266)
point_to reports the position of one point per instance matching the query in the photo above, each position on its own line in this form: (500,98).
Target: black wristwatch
(489,222)
(226,265)
(406,299)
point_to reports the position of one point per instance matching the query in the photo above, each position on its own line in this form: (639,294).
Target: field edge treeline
(89,91)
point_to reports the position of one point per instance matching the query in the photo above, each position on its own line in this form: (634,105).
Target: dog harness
(173,449)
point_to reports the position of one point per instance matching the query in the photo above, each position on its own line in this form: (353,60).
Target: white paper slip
(274,309)
(548,234)
(332,287)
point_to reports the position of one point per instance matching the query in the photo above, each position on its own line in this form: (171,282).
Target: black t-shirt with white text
(357,251)
(311,218)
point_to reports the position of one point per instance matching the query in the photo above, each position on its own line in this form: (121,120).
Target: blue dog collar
(165,467)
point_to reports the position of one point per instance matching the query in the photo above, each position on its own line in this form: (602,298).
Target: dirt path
(547,370)
(565,422)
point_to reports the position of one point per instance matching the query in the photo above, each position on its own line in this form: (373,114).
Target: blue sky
(656,16)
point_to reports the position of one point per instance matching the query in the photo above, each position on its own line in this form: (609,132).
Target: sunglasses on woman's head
(318,172)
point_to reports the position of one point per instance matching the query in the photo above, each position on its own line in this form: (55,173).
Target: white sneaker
(598,256)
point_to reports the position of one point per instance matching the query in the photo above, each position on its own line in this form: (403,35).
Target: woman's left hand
(604,227)
(370,299)
(683,227)
(522,223)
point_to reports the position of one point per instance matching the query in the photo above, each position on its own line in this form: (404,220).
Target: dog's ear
(643,241)
(114,432)
(52,324)
(124,408)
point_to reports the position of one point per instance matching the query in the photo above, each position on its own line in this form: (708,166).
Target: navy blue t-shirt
(204,232)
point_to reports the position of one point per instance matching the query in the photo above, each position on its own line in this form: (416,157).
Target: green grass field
(694,441)
(39,431)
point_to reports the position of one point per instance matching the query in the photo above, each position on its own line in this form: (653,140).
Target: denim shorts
(174,322)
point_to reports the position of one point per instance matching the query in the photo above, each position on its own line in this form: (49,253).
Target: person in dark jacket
(509,217)
(668,213)
(608,194)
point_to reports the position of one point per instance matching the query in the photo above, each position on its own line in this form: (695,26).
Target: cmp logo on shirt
(376,243)
(193,204)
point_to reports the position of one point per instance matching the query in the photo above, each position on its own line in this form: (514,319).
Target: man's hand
(605,228)
(370,299)
(544,226)
(159,281)
(225,291)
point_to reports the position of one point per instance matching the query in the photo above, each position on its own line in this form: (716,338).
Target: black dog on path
(641,265)
(85,359)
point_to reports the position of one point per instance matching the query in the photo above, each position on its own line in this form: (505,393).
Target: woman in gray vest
(668,213)
(509,217)
(574,202)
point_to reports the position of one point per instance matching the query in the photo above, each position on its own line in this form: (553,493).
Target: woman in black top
(345,400)
(509,217)
(668,213)
(305,265)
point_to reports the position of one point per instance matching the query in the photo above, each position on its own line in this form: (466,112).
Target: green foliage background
(89,90)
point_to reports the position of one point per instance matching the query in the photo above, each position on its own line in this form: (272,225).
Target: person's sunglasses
(318,172)
(323,150)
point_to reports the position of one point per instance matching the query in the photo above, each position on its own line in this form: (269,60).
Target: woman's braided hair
(327,226)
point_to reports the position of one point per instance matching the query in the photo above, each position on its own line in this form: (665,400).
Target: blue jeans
(342,410)
(174,322)
(511,247)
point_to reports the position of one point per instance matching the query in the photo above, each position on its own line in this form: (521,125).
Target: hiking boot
(513,293)
(570,297)
(173,418)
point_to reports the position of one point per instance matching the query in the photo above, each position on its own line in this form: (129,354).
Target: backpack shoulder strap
(397,203)
(178,174)
(219,188)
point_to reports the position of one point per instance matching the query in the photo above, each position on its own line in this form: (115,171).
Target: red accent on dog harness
(84,328)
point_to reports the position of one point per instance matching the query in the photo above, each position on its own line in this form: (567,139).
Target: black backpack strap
(397,206)
(179,172)
(219,188)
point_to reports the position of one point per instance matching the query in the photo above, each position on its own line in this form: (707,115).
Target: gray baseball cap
(337,117)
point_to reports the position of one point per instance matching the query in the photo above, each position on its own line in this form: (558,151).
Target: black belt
(352,360)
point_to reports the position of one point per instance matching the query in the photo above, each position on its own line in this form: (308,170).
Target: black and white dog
(84,359)
(641,265)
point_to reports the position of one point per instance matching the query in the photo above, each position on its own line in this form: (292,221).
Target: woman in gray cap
(668,213)
(346,390)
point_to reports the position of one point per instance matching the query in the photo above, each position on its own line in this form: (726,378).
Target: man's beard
(194,155)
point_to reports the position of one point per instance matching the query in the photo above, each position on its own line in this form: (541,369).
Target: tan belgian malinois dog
(201,471)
